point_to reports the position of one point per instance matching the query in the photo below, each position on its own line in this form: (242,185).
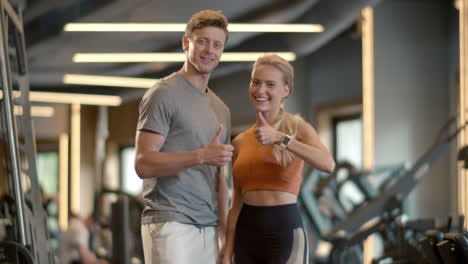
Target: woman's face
(267,88)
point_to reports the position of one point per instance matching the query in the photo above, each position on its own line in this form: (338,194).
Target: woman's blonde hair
(287,123)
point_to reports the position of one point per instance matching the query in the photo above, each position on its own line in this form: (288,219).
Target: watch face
(285,141)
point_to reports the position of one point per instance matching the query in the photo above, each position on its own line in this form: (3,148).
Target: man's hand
(223,257)
(215,153)
(265,133)
(221,236)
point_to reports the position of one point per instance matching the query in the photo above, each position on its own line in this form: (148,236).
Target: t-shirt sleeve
(156,111)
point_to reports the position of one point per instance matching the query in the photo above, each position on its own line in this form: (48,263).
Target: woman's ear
(286,91)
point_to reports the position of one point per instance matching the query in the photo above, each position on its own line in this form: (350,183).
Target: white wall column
(411,94)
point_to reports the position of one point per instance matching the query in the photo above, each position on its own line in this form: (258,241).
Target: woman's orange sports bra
(256,168)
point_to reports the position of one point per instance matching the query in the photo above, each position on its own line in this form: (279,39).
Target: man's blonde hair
(207,18)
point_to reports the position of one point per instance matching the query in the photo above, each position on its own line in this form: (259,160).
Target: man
(182,141)
(74,242)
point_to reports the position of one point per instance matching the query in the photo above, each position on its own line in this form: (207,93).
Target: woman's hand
(265,133)
(224,258)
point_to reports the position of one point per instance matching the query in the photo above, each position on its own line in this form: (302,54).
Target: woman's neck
(273,117)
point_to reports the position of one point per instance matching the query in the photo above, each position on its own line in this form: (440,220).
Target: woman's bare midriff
(268,198)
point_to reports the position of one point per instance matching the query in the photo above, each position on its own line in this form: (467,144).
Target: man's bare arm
(150,162)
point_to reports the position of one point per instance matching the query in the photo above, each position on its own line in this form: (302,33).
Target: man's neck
(198,80)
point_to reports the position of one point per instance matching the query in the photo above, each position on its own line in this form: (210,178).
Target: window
(348,148)
(47,169)
(47,173)
(348,140)
(130,182)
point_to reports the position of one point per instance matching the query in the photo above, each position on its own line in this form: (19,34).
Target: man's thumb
(218,134)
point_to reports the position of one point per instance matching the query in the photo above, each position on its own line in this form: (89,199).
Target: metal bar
(10,125)
(13,16)
(21,52)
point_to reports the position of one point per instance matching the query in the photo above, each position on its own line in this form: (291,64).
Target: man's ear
(185,42)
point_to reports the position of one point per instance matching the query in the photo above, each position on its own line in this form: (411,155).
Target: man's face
(204,48)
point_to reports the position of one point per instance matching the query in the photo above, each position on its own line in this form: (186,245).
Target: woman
(264,224)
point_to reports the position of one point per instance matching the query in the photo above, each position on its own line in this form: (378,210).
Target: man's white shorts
(176,243)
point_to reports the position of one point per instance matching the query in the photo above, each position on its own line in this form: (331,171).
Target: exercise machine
(343,227)
(23,228)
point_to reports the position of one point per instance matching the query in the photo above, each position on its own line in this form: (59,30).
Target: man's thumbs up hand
(215,153)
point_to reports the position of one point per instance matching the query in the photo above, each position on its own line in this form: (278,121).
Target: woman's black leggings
(270,235)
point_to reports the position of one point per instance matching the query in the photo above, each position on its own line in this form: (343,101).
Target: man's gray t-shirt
(188,119)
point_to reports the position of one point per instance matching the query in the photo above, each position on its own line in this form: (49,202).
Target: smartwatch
(285,141)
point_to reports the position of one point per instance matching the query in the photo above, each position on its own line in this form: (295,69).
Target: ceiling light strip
(70,98)
(277,28)
(36,111)
(112,81)
(178,27)
(253,56)
(169,57)
(128,57)
(75,98)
